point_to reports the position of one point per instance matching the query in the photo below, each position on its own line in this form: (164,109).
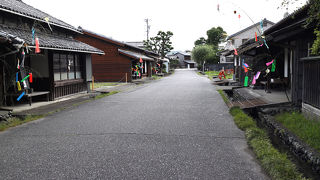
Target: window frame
(75,57)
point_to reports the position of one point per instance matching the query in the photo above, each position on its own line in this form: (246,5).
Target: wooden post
(126,77)
(92,82)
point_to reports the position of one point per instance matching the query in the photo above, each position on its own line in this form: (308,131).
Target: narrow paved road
(174,128)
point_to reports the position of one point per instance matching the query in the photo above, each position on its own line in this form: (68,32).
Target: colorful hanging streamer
(260,45)
(141,60)
(246,81)
(269,63)
(21,95)
(253,80)
(257,75)
(18,86)
(235,52)
(25,78)
(273,68)
(37,45)
(47,20)
(265,43)
(30,78)
(17,76)
(256,36)
(33,37)
(261,26)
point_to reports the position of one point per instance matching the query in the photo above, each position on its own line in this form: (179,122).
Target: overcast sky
(123,20)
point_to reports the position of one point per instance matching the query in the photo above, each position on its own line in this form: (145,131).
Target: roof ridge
(16,8)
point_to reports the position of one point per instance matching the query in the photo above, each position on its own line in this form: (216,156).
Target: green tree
(216,36)
(200,41)
(160,44)
(205,53)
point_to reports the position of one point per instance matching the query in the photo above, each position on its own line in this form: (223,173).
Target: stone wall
(310,111)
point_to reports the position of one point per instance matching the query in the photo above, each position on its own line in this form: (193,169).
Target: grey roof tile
(23,9)
(48,41)
(135,55)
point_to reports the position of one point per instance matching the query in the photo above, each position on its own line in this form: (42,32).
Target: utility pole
(148,27)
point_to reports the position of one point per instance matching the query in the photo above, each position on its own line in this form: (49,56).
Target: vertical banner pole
(92,82)
(126,77)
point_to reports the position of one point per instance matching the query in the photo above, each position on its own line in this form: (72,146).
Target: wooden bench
(29,96)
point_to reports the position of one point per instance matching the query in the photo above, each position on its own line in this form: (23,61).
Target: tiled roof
(111,40)
(47,41)
(246,29)
(135,55)
(20,8)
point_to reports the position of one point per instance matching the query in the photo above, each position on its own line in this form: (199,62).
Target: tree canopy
(205,50)
(205,53)
(160,44)
(216,36)
(200,41)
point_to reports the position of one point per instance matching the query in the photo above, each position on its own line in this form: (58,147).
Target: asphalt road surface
(174,128)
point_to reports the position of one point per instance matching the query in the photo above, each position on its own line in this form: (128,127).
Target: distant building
(184,58)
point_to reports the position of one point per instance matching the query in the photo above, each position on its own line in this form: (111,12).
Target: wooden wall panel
(111,67)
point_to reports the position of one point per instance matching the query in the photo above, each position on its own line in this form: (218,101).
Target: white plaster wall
(249,34)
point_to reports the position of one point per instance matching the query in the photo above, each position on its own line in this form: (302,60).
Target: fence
(218,67)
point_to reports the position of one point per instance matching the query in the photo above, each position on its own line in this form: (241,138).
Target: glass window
(77,66)
(71,73)
(56,67)
(64,67)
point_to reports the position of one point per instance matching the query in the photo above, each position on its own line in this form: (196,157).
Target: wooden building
(63,65)
(289,42)
(120,61)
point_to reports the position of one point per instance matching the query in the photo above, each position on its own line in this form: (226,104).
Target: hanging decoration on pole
(47,20)
(37,45)
(269,63)
(235,52)
(33,36)
(273,68)
(246,81)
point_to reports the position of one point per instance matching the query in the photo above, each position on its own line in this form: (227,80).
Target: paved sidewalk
(42,108)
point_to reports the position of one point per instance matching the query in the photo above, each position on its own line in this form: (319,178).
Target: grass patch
(12,122)
(216,73)
(105,94)
(224,97)
(276,164)
(156,77)
(101,84)
(306,129)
